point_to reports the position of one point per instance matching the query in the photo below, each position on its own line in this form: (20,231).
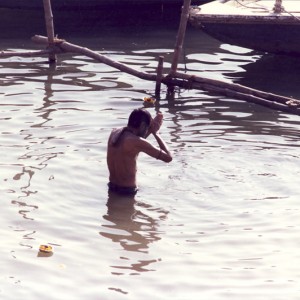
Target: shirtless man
(124,146)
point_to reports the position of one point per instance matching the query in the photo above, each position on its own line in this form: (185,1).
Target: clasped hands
(156,123)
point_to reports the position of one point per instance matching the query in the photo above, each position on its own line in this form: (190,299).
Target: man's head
(140,120)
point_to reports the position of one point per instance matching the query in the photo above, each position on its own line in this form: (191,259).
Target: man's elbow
(165,156)
(168,159)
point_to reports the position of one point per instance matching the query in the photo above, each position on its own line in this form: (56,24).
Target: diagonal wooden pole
(49,28)
(180,36)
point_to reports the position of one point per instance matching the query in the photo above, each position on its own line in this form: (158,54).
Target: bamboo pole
(278,8)
(187,81)
(63,46)
(5,54)
(159,75)
(180,36)
(233,86)
(49,28)
(173,79)
(291,105)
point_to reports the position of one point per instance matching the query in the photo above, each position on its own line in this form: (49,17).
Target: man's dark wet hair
(138,116)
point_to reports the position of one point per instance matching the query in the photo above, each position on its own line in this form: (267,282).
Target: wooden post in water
(180,36)
(159,75)
(49,28)
(278,7)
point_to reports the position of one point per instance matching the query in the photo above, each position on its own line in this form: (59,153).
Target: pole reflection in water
(133,229)
(34,159)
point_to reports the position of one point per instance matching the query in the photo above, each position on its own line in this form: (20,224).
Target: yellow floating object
(45,248)
(150,100)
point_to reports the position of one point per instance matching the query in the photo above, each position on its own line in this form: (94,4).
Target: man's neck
(131,130)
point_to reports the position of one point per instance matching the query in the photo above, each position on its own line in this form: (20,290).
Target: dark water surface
(219,222)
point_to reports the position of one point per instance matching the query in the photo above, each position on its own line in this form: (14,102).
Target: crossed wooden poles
(173,78)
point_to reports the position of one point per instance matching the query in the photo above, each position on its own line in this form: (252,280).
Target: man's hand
(156,123)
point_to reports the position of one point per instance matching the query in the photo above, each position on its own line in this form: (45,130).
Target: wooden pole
(186,81)
(25,53)
(63,46)
(278,7)
(49,28)
(180,36)
(159,75)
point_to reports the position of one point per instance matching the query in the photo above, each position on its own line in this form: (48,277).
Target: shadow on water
(190,123)
(272,73)
(264,71)
(82,23)
(131,226)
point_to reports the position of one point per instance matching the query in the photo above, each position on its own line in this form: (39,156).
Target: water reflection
(263,74)
(132,228)
(34,159)
(215,171)
(190,117)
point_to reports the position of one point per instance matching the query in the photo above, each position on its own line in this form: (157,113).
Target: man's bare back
(124,146)
(121,158)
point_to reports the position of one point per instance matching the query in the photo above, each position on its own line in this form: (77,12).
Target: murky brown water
(220,222)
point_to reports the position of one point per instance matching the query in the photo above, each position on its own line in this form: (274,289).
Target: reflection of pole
(49,27)
(46,109)
(180,35)
(48,86)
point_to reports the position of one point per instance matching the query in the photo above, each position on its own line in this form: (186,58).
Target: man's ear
(143,130)
(143,125)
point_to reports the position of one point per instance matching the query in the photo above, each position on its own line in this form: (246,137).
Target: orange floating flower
(45,248)
(150,100)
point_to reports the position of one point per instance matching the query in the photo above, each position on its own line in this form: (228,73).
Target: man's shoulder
(115,136)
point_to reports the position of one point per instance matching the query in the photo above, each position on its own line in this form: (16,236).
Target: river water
(221,221)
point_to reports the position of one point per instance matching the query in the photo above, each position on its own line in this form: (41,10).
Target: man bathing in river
(124,146)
